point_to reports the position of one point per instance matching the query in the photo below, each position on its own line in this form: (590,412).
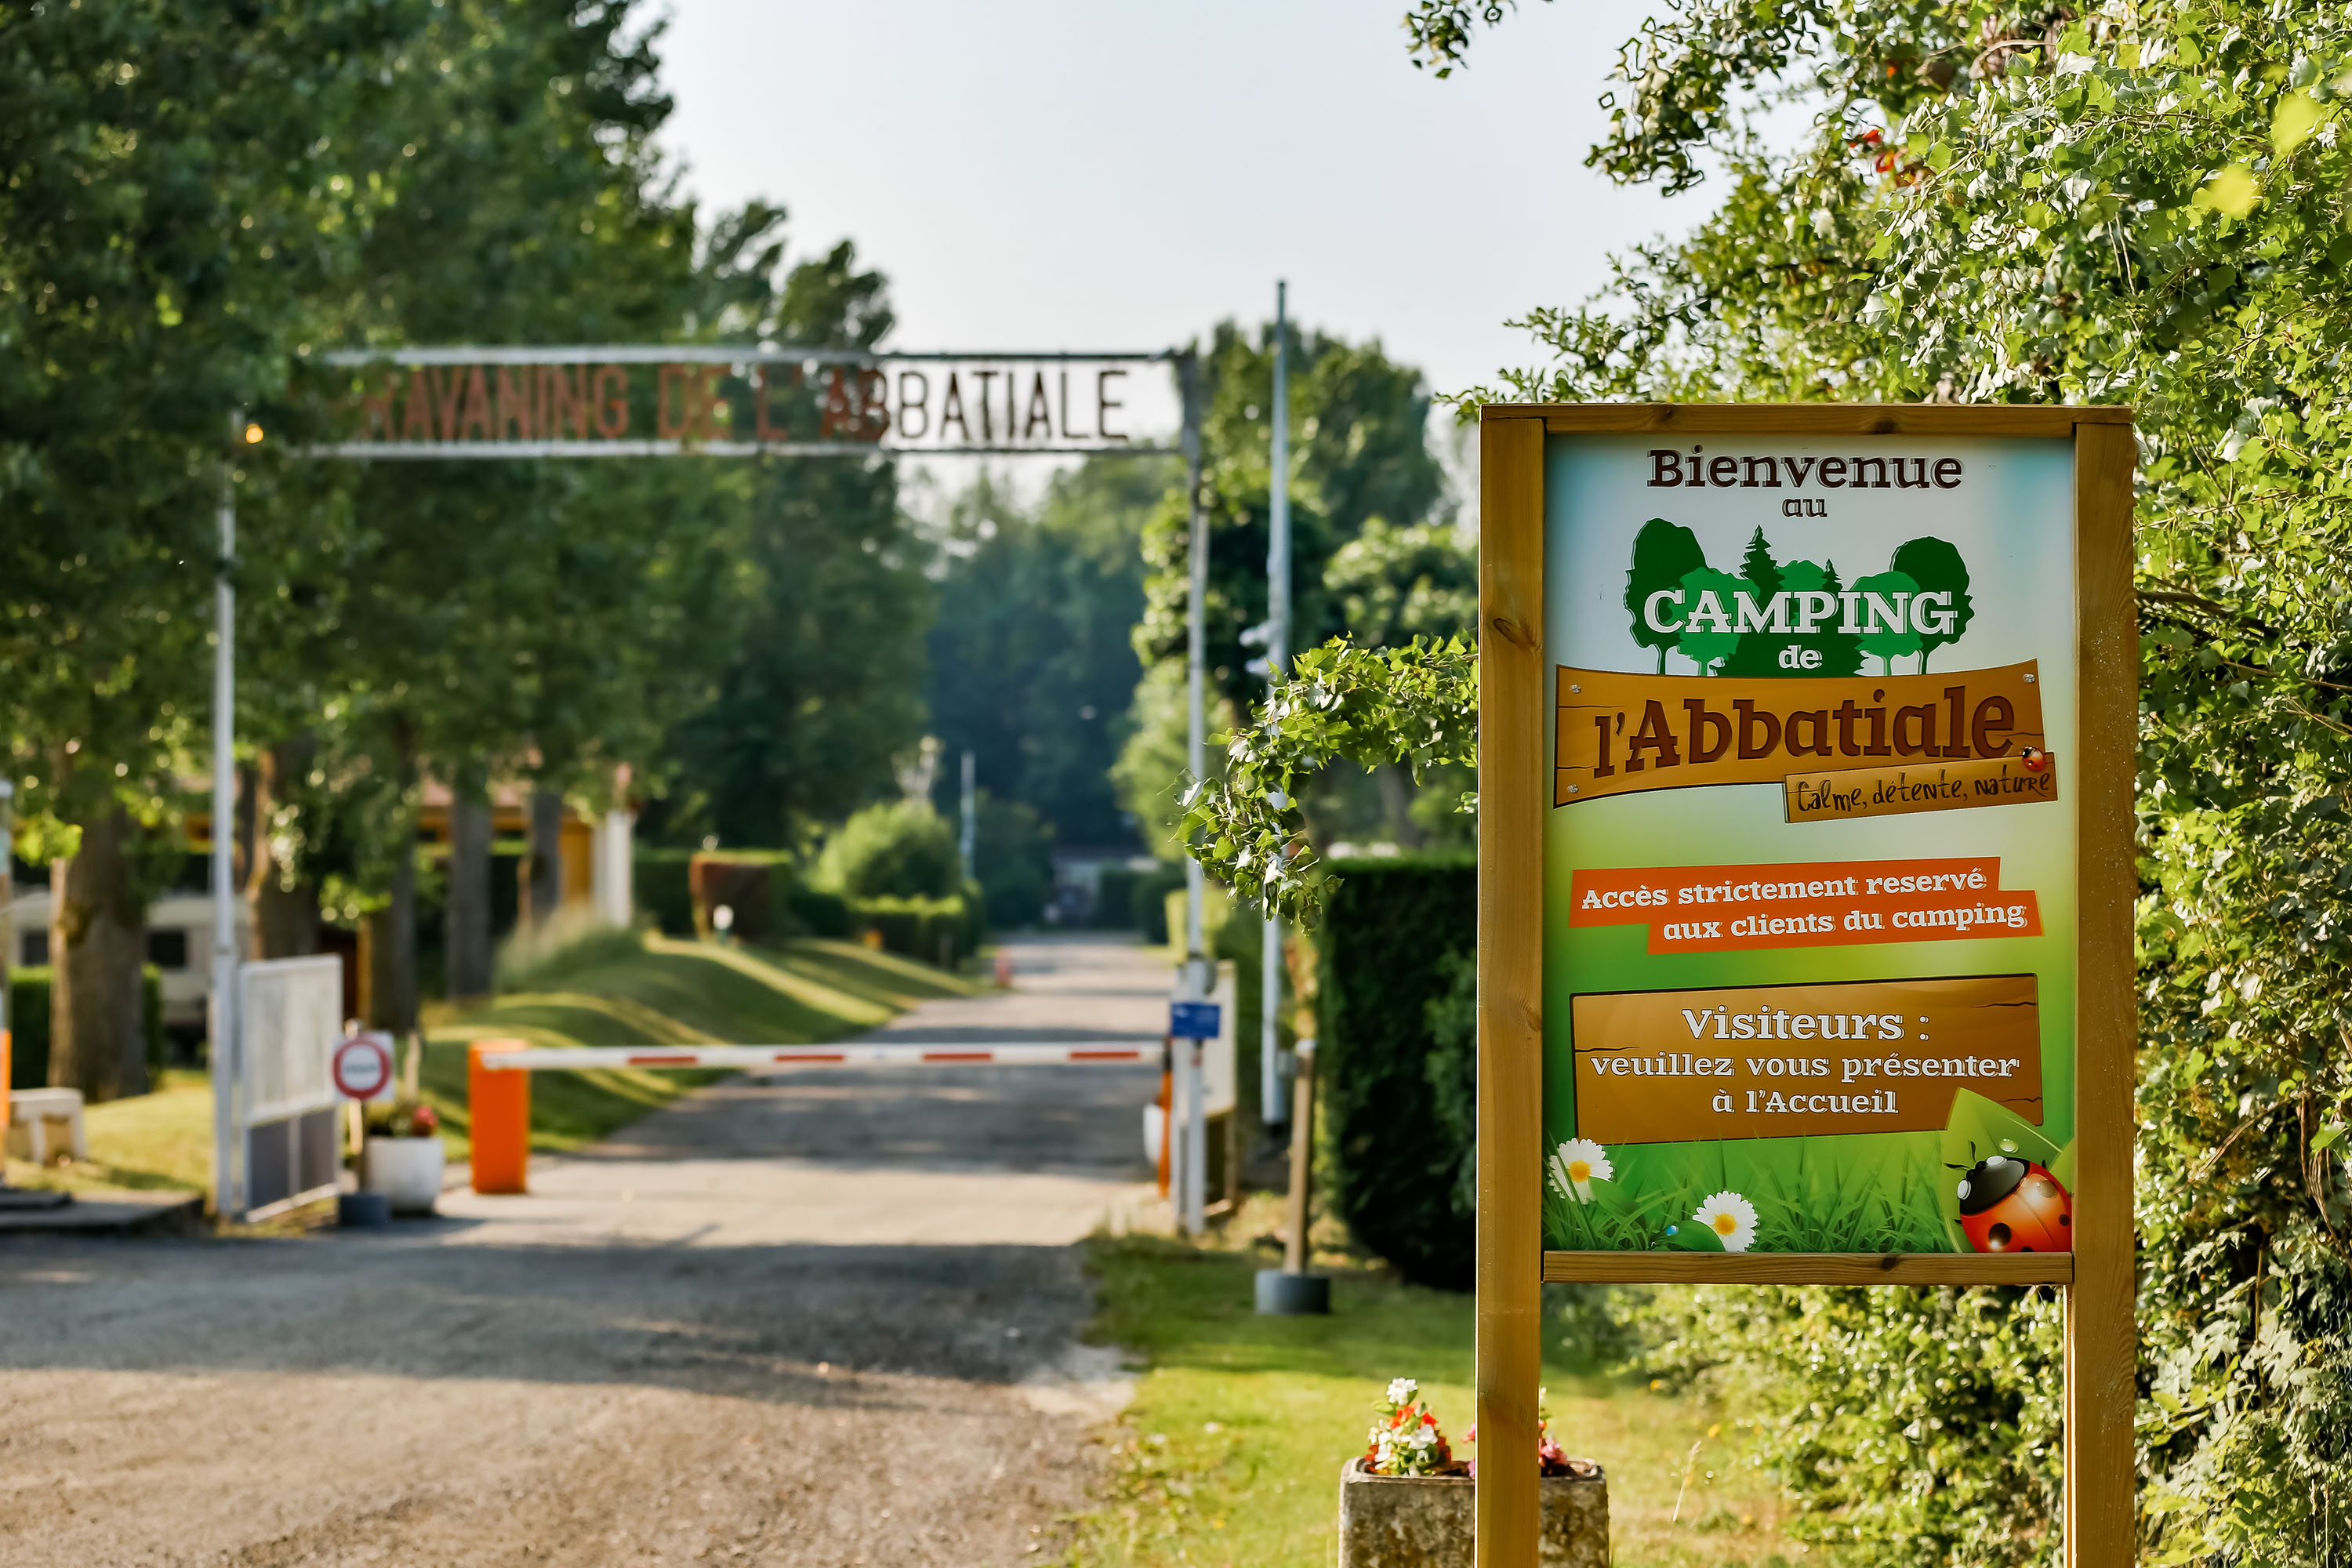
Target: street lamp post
(1271,1109)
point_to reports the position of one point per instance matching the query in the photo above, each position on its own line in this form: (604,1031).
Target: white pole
(7,955)
(1196,651)
(1196,1140)
(1272,1109)
(228,1175)
(970,842)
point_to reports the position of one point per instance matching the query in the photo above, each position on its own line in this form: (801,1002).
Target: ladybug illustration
(2009,1205)
(2035,758)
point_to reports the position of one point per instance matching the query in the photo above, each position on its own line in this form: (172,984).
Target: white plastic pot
(406,1171)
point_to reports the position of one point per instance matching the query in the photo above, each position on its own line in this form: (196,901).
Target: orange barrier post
(499,1104)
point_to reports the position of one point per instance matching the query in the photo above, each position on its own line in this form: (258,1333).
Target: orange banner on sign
(1789,1061)
(1615,733)
(1825,903)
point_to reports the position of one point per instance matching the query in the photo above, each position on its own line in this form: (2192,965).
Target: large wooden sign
(1805,771)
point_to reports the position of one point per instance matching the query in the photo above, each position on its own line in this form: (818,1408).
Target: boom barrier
(498,1078)
(507,1058)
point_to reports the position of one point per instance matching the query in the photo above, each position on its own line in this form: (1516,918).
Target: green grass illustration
(1866,1192)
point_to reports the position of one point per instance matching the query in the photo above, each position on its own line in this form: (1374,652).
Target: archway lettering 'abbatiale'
(645,401)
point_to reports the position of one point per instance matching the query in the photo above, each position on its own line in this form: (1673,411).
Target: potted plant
(1408,1502)
(402,1157)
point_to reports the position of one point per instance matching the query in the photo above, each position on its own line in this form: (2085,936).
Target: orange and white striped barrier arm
(514,1056)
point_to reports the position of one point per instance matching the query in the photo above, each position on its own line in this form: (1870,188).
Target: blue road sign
(1193,1020)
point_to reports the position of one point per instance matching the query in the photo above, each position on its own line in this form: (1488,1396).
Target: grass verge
(607,992)
(160,1141)
(1231,1451)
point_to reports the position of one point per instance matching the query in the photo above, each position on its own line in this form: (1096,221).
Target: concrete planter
(406,1171)
(1425,1521)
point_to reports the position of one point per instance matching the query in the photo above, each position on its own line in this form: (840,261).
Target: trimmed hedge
(918,927)
(1390,928)
(771,901)
(659,885)
(28,1024)
(1146,893)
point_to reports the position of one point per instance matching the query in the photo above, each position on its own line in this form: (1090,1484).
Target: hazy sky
(1107,175)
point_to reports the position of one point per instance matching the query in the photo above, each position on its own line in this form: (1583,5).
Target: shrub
(658,882)
(28,1024)
(1145,906)
(1012,858)
(814,912)
(915,928)
(1390,928)
(900,850)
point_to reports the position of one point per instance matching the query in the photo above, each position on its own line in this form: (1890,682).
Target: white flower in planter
(1577,1165)
(1731,1217)
(1402,1391)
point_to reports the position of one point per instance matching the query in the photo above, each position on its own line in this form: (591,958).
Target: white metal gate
(279,1143)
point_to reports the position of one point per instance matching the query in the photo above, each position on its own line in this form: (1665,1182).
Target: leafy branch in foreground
(1415,706)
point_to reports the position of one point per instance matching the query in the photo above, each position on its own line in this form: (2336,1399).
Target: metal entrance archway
(517,402)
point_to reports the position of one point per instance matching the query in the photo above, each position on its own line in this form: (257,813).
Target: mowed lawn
(1232,1449)
(614,991)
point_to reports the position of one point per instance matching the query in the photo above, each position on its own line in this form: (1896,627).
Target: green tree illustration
(1663,554)
(1840,650)
(1887,646)
(1710,643)
(1757,566)
(1937,568)
(1759,653)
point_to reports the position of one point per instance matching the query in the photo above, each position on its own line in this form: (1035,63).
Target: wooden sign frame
(2101,1336)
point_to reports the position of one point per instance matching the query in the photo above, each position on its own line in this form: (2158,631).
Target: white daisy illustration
(1577,1165)
(1731,1217)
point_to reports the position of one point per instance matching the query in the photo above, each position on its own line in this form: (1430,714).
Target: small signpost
(363,1067)
(1805,778)
(1193,1020)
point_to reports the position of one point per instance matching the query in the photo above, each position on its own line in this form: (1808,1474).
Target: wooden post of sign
(1511,986)
(2102,1333)
(2099,1507)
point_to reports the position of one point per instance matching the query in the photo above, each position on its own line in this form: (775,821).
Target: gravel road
(822,1319)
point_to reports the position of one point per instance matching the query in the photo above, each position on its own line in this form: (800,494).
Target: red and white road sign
(363,1067)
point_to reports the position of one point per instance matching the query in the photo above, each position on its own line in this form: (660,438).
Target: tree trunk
(97,943)
(392,930)
(392,954)
(465,923)
(545,889)
(1396,806)
(285,912)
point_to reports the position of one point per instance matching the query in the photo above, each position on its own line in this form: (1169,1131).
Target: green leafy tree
(1395,583)
(466,620)
(1413,707)
(2042,204)
(1663,554)
(818,641)
(1359,450)
(899,849)
(1937,568)
(1031,666)
(182,190)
